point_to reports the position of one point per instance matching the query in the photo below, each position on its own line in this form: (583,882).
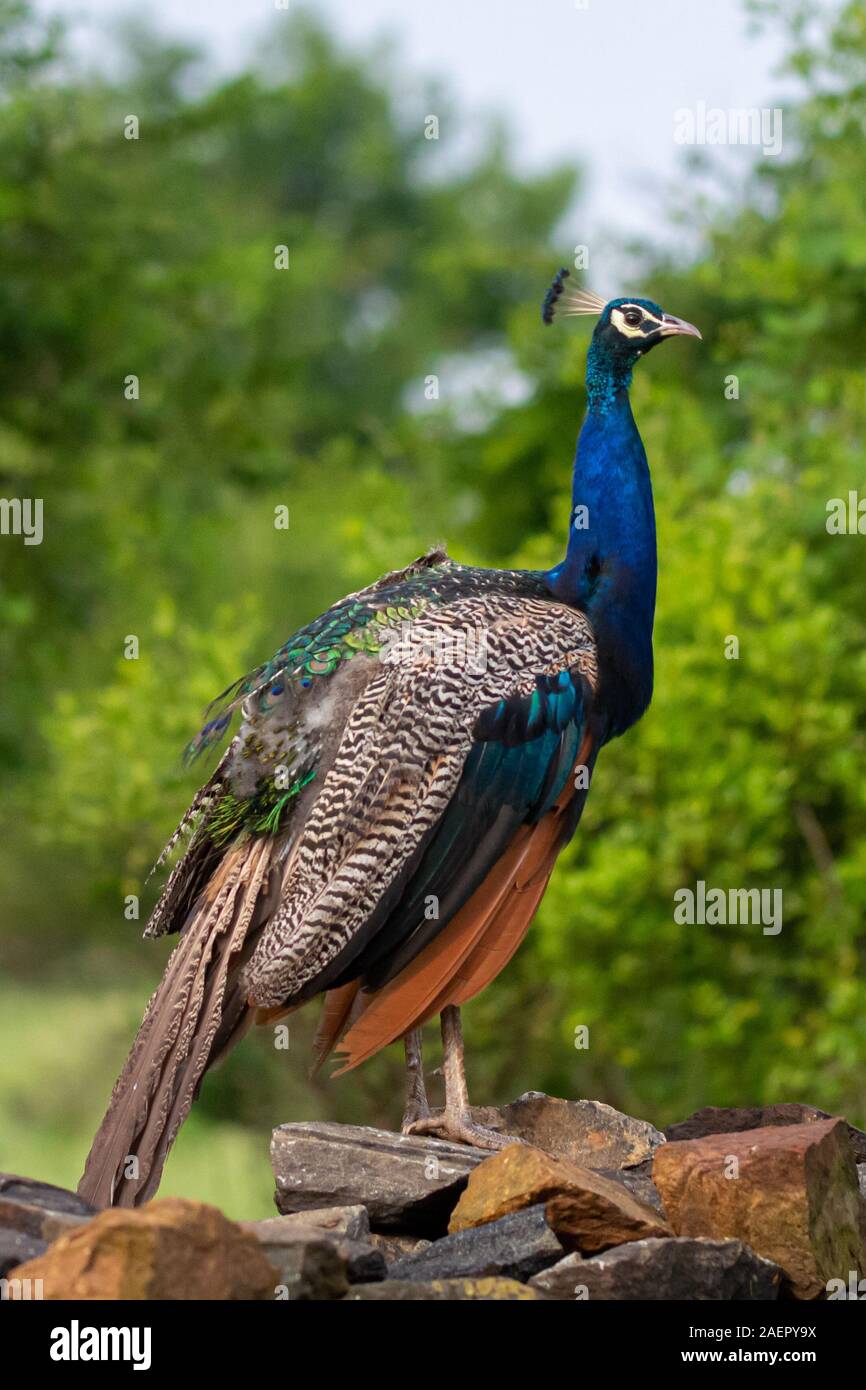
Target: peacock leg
(455,1122)
(416,1107)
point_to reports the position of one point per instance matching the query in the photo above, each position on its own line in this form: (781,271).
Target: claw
(461,1129)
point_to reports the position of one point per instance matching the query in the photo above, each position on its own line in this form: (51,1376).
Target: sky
(594,81)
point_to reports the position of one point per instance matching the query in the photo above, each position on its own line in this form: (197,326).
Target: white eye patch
(647,325)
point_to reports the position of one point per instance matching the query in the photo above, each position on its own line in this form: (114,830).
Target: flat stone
(660,1270)
(585,1132)
(788,1191)
(407,1183)
(347,1229)
(352,1222)
(40,1209)
(443,1290)
(516,1247)
(721,1119)
(360,1262)
(585,1210)
(167,1249)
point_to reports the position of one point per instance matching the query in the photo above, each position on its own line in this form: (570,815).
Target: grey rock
(309,1270)
(722,1119)
(16,1247)
(408,1183)
(638,1181)
(363,1262)
(515,1246)
(39,1209)
(676,1269)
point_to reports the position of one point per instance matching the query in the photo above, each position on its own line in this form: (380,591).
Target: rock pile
(586,1204)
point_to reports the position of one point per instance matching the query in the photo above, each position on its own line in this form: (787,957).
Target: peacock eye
(633,317)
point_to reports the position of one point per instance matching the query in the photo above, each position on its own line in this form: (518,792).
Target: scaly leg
(416,1107)
(456,1122)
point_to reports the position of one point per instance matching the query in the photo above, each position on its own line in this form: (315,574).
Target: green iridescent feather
(262,814)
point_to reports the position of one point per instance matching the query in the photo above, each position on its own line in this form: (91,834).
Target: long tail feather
(197,1012)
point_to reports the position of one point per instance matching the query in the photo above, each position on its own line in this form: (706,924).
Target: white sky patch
(559,74)
(473,388)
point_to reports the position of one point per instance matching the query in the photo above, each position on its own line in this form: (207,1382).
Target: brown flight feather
(470,951)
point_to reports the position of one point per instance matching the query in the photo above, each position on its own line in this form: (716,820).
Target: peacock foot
(460,1128)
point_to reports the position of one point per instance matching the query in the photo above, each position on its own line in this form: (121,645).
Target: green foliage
(262,388)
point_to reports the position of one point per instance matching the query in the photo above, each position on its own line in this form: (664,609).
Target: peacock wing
(441,761)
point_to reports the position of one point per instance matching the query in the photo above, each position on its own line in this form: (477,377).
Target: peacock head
(627,328)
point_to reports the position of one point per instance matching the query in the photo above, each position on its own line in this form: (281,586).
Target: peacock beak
(672,326)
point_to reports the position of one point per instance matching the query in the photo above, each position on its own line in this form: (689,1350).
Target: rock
(347,1228)
(401,1290)
(672,1269)
(408,1183)
(585,1210)
(352,1222)
(16,1247)
(792,1196)
(364,1262)
(594,1219)
(359,1262)
(585,1132)
(167,1249)
(310,1269)
(638,1181)
(39,1209)
(395,1247)
(733,1120)
(516,1246)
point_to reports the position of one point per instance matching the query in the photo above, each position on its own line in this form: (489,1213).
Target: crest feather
(575,301)
(582,302)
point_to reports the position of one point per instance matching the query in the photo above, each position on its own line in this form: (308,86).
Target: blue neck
(609,570)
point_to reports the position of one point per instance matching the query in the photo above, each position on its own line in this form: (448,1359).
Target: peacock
(384,822)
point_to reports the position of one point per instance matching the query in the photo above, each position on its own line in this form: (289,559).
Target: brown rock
(792,1196)
(586,1211)
(585,1132)
(351,1222)
(168,1249)
(599,1217)
(720,1119)
(443,1290)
